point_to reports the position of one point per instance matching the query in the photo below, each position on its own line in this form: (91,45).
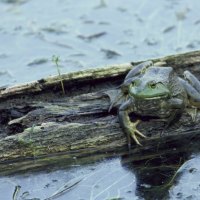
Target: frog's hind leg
(192,87)
(192,91)
(192,80)
(139,69)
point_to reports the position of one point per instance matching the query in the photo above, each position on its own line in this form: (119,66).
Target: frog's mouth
(147,93)
(164,96)
(151,97)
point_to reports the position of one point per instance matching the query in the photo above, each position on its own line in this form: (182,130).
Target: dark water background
(87,34)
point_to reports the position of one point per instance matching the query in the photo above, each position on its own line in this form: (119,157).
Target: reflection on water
(168,176)
(155,175)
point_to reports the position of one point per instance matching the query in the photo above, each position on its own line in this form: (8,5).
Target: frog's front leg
(129,127)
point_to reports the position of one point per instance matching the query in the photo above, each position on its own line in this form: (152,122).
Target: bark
(38,122)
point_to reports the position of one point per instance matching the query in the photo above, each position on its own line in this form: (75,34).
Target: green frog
(156,92)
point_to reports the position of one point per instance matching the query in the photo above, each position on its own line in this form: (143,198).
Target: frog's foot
(193,113)
(114,102)
(115,97)
(134,132)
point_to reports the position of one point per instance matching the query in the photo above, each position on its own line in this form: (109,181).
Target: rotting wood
(38,121)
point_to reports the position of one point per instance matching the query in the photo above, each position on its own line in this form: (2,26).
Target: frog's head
(150,90)
(153,84)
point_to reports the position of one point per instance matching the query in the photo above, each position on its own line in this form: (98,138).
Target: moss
(24,143)
(27,143)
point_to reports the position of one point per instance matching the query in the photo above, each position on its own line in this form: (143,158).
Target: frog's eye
(134,83)
(152,85)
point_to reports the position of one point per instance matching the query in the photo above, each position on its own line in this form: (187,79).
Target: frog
(157,92)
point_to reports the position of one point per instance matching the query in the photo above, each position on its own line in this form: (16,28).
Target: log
(38,122)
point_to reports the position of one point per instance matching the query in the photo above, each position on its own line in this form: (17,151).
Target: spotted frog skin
(155,92)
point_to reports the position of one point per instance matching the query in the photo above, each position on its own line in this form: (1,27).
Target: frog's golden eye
(152,85)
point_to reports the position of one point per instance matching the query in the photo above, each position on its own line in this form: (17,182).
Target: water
(94,182)
(115,178)
(87,34)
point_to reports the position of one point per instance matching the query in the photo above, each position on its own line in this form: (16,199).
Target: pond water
(87,34)
(94,183)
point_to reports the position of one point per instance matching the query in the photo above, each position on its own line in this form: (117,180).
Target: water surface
(87,34)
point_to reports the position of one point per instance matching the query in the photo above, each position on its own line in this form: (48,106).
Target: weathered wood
(37,121)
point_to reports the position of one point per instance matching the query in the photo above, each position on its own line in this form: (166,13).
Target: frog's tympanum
(155,92)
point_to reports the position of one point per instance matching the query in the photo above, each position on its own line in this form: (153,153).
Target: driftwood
(38,122)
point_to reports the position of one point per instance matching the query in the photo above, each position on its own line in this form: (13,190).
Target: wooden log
(38,121)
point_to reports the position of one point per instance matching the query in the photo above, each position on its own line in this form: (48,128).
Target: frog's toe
(140,134)
(133,135)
